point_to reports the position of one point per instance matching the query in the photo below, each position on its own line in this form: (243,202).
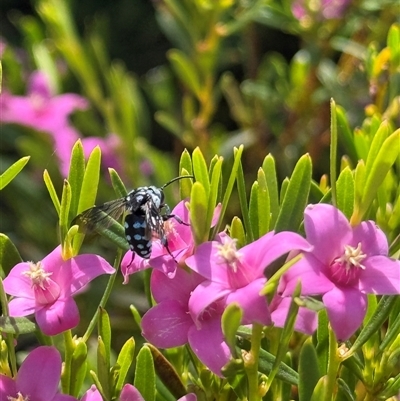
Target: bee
(143,217)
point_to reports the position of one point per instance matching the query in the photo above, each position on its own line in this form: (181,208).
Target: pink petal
(203,296)
(18,307)
(380,276)
(64,397)
(166,325)
(188,397)
(39,374)
(373,240)
(8,386)
(310,272)
(346,309)
(18,284)
(179,288)
(85,268)
(58,317)
(306,320)
(209,345)
(254,306)
(92,394)
(130,393)
(132,263)
(328,230)
(259,254)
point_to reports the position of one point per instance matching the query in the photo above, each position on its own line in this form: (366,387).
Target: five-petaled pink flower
(169,323)
(46,288)
(346,264)
(233,275)
(37,379)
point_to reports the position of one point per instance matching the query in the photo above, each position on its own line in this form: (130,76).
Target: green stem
(69,350)
(251,363)
(104,298)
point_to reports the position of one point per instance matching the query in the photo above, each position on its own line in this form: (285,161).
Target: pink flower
(169,323)
(37,380)
(325,9)
(128,393)
(43,111)
(180,243)
(46,288)
(346,264)
(233,275)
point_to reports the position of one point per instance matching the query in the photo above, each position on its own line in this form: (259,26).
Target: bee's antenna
(181,177)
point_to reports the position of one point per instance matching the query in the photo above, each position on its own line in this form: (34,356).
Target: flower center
(45,289)
(20,397)
(346,268)
(229,253)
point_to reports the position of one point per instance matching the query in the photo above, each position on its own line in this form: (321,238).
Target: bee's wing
(100,216)
(154,221)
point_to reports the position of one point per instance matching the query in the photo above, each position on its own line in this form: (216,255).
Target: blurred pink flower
(169,323)
(43,111)
(346,264)
(38,378)
(46,288)
(325,9)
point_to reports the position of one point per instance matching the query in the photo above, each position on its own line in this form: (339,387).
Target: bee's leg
(133,258)
(164,242)
(174,216)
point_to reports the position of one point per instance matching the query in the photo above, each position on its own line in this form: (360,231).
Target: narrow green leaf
(167,373)
(145,377)
(9,255)
(185,186)
(241,186)
(186,71)
(345,192)
(200,170)
(78,368)
(52,191)
(75,177)
(103,367)
(388,154)
(12,171)
(296,196)
(308,370)
(185,162)
(104,329)
(117,184)
(90,181)
(333,151)
(64,210)
(319,391)
(345,133)
(323,341)
(264,210)
(214,189)
(198,213)
(253,210)
(377,142)
(124,361)
(269,169)
(228,190)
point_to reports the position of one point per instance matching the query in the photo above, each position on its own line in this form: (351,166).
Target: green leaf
(379,138)
(237,231)
(200,170)
(269,169)
(186,71)
(104,329)
(319,391)
(214,190)
(393,42)
(323,341)
(117,184)
(103,367)
(264,210)
(296,196)
(145,377)
(241,186)
(253,210)
(230,322)
(345,192)
(75,177)
(16,325)
(9,255)
(12,171)
(52,191)
(78,368)
(387,155)
(345,134)
(124,361)
(333,151)
(167,373)
(185,162)
(308,370)
(198,213)
(64,210)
